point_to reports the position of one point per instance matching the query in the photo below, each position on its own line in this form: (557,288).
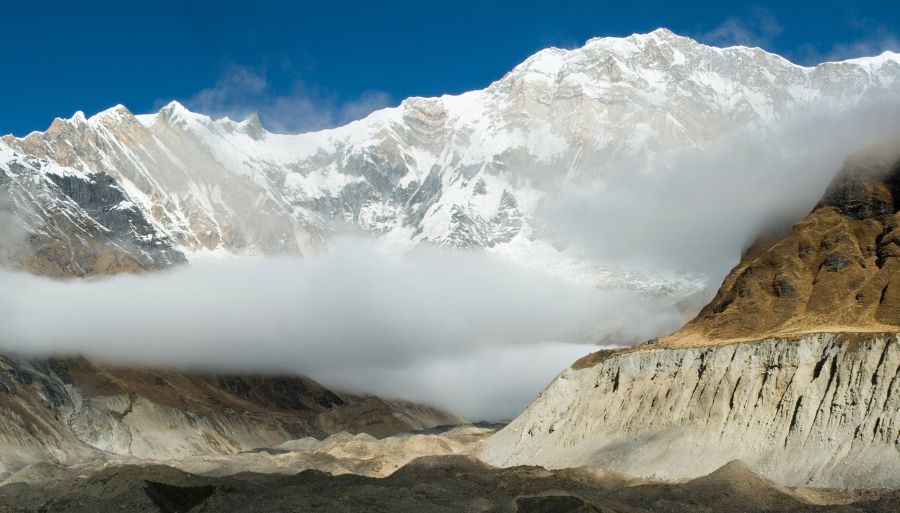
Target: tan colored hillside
(836,271)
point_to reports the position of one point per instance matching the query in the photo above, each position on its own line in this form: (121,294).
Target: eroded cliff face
(71,411)
(820,410)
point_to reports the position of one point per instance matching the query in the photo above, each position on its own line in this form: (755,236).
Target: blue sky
(306,65)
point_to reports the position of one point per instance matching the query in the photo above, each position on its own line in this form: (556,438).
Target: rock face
(70,411)
(58,222)
(821,410)
(793,368)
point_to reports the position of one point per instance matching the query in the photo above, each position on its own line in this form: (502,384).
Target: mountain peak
(174,106)
(662,32)
(643,97)
(61,125)
(628,43)
(175,110)
(875,61)
(117,113)
(252,126)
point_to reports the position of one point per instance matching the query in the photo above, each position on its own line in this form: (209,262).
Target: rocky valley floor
(428,484)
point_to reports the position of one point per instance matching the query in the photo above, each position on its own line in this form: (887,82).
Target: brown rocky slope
(837,270)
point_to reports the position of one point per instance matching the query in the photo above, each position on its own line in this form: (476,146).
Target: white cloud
(872,39)
(872,44)
(760,29)
(243,91)
(700,210)
(457,329)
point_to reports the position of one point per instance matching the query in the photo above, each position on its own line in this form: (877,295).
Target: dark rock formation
(66,225)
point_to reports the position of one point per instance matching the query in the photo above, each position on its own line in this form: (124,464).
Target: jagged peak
(637,41)
(660,34)
(551,61)
(172,110)
(175,110)
(252,126)
(59,125)
(176,113)
(116,113)
(173,107)
(77,118)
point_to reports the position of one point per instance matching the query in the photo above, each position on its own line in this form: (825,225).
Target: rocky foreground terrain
(432,484)
(793,368)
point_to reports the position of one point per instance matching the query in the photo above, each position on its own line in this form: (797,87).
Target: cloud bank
(459,330)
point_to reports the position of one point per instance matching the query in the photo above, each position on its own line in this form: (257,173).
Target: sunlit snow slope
(476,170)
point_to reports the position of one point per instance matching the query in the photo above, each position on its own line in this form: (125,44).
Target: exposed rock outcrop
(476,170)
(69,411)
(60,223)
(821,410)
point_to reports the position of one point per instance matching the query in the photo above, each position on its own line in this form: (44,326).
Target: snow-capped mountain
(474,170)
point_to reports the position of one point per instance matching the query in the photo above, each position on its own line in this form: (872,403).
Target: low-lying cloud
(462,330)
(459,330)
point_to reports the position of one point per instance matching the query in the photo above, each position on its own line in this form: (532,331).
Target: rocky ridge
(67,411)
(59,222)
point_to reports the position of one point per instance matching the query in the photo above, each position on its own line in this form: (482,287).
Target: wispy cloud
(695,212)
(298,107)
(759,28)
(862,36)
(874,42)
